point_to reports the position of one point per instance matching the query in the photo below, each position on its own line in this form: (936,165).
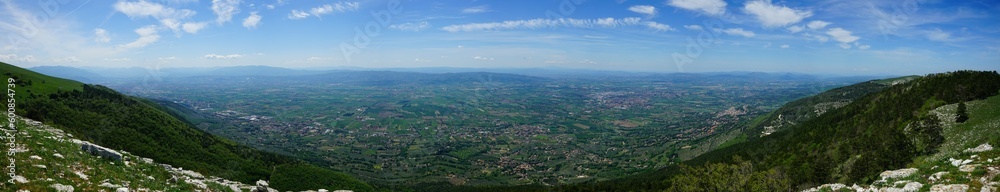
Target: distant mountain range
(424,75)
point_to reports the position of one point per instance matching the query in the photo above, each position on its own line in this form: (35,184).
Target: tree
(962,114)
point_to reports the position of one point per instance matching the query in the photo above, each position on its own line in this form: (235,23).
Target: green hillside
(40,84)
(880,131)
(108,118)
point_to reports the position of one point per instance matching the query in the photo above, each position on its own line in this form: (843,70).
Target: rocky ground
(48,159)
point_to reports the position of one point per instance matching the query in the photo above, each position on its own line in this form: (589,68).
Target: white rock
(58,155)
(343,191)
(968,168)
(35,157)
(235,188)
(988,189)
(122,189)
(912,186)
(262,183)
(937,176)
(20,179)
(980,148)
(109,185)
(322,190)
(949,188)
(897,173)
(82,176)
(41,166)
(62,188)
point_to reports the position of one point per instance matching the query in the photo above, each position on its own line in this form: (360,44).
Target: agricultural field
(478,128)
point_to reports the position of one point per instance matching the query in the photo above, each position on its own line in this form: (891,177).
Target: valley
(481,128)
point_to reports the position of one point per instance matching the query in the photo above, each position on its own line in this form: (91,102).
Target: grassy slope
(108,118)
(40,84)
(41,167)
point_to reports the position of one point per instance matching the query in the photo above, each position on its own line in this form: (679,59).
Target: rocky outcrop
(98,150)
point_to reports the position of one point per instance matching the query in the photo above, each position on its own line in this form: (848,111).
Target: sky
(822,36)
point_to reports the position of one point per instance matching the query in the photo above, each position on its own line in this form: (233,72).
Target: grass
(81,170)
(40,84)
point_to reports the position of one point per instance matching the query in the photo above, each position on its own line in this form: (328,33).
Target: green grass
(39,84)
(46,145)
(984,118)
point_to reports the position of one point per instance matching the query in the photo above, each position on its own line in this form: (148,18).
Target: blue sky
(825,36)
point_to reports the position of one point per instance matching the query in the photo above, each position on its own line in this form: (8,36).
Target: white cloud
(657,26)
(166,58)
(842,36)
(117,59)
(647,10)
(225,9)
(938,35)
(820,38)
(71,59)
(296,14)
(862,47)
(785,46)
(817,24)
(739,32)
(482,58)
(142,8)
(167,16)
(709,7)
(12,58)
(477,9)
(845,46)
(316,59)
(147,35)
(415,27)
(325,9)
(795,29)
(694,27)
(771,15)
(252,21)
(101,36)
(194,27)
(553,23)
(216,56)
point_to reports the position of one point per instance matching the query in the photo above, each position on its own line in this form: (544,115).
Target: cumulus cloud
(415,27)
(147,35)
(14,58)
(225,9)
(477,9)
(194,27)
(647,10)
(817,24)
(554,23)
(709,7)
(694,27)
(842,36)
(771,15)
(739,32)
(101,36)
(216,56)
(252,21)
